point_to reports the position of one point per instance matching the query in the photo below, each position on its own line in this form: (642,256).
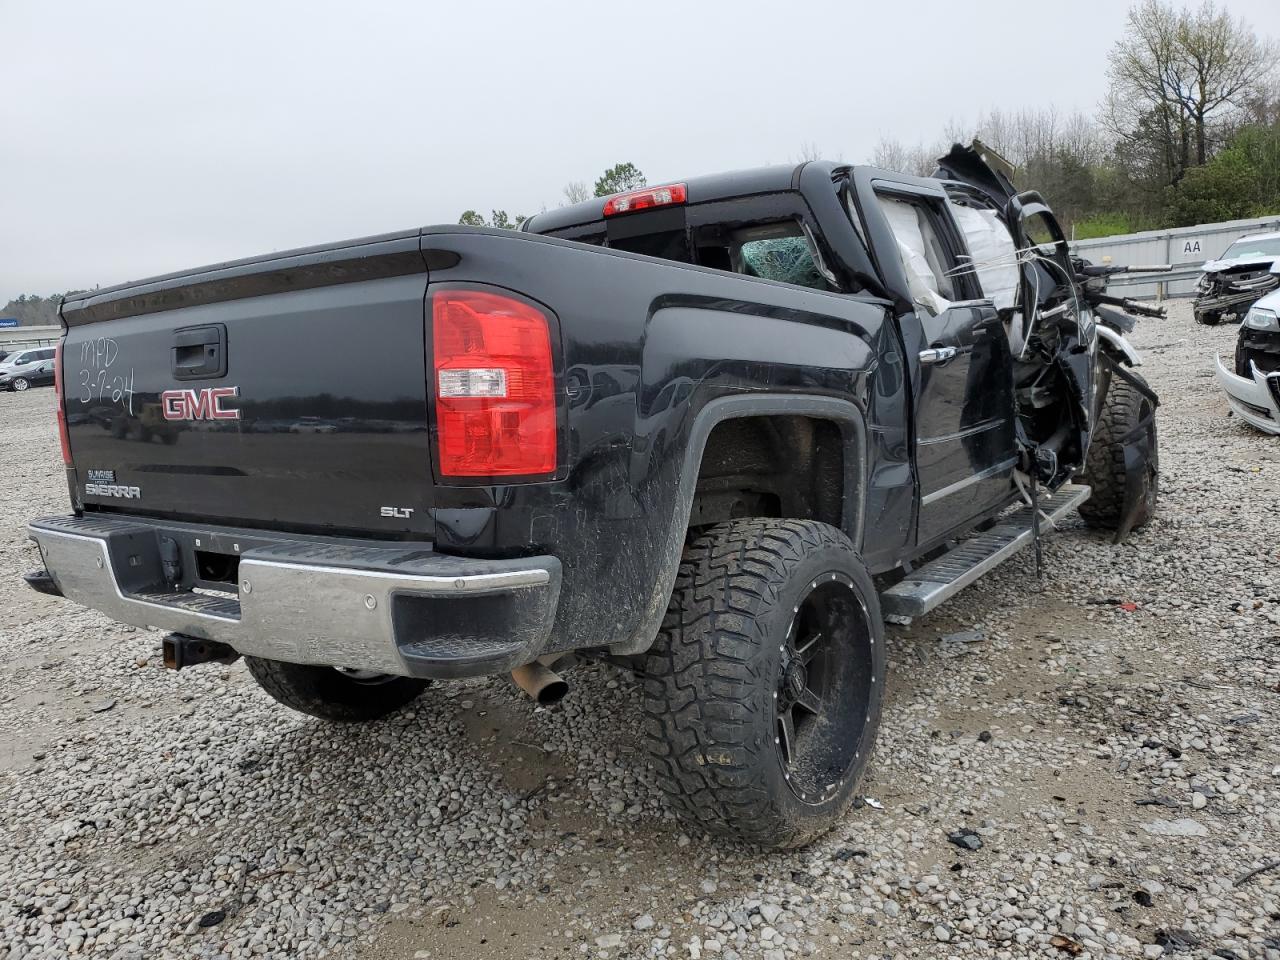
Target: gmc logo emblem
(203,404)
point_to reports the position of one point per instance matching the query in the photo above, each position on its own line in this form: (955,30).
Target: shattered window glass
(787,259)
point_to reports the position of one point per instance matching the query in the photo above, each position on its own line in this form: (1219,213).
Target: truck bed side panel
(649,346)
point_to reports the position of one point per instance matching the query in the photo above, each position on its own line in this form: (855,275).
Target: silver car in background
(1252,380)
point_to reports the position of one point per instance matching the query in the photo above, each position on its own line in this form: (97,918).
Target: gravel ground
(1104,749)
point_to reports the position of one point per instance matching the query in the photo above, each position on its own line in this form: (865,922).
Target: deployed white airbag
(905,224)
(994,257)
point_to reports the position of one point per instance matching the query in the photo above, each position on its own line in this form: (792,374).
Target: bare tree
(1180,82)
(1227,62)
(575,191)
(919,161)
(808,151)
(1263,107)
(889,155)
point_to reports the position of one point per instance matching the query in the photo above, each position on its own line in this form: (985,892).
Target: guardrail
(1161,280)
(27,343)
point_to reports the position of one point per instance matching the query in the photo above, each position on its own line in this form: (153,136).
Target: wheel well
(771,466)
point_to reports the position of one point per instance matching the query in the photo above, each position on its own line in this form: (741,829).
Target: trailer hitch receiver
(181,651)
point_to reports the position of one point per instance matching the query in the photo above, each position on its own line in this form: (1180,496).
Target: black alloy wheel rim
(824,689)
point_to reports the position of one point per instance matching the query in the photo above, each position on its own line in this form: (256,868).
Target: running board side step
(942,578)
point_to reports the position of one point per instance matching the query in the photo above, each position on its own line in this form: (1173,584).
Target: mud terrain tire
(756,730)
(1124,408)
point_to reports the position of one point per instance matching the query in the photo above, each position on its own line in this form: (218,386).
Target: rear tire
(757,730)
(330,694)
(1124,408)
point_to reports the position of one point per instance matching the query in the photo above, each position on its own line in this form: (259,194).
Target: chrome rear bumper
(398,608)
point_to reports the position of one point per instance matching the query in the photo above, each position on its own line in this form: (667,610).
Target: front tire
(20,384)
(333,694)
(1210,318)
(1124,409)
(763,690)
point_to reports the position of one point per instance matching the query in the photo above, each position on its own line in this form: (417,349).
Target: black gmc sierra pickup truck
(714,431)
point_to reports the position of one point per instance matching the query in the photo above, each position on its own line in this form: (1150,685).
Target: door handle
(938,354)
(200,353)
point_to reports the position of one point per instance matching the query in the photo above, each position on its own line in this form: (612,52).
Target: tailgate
(286,392)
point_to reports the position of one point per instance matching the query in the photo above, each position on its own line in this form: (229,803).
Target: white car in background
(27,368)
(1252,381)
(1246,272)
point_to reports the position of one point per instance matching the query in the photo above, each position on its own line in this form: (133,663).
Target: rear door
(287,394)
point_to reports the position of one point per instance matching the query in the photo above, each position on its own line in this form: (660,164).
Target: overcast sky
(144,137)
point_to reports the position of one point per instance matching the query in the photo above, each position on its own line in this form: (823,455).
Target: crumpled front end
(1255,398)
(1231,291)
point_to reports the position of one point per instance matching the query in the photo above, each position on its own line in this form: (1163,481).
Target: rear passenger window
(765,236)
(775,251)
(666,244)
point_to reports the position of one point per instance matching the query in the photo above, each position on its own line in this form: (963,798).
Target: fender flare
(1120,345)
(853,425)
(845,412)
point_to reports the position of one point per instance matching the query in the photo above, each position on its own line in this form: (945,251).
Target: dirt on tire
(1122,411)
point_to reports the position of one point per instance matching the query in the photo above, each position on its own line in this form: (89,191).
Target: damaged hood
(981,168)
(1270,264)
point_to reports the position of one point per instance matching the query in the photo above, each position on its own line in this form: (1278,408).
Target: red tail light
(670,195)
(62,405)
(494,386)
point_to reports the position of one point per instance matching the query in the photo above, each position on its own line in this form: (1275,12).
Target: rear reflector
(495,386)
(665,196)
(62,405)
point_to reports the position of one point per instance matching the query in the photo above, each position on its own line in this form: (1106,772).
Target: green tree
(497,218)
(33,310)
(500,220)
(620,178)
(1181,80)
(1242,181)
(1219,190)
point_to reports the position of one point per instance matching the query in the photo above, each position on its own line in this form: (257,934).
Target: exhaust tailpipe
(538,681)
